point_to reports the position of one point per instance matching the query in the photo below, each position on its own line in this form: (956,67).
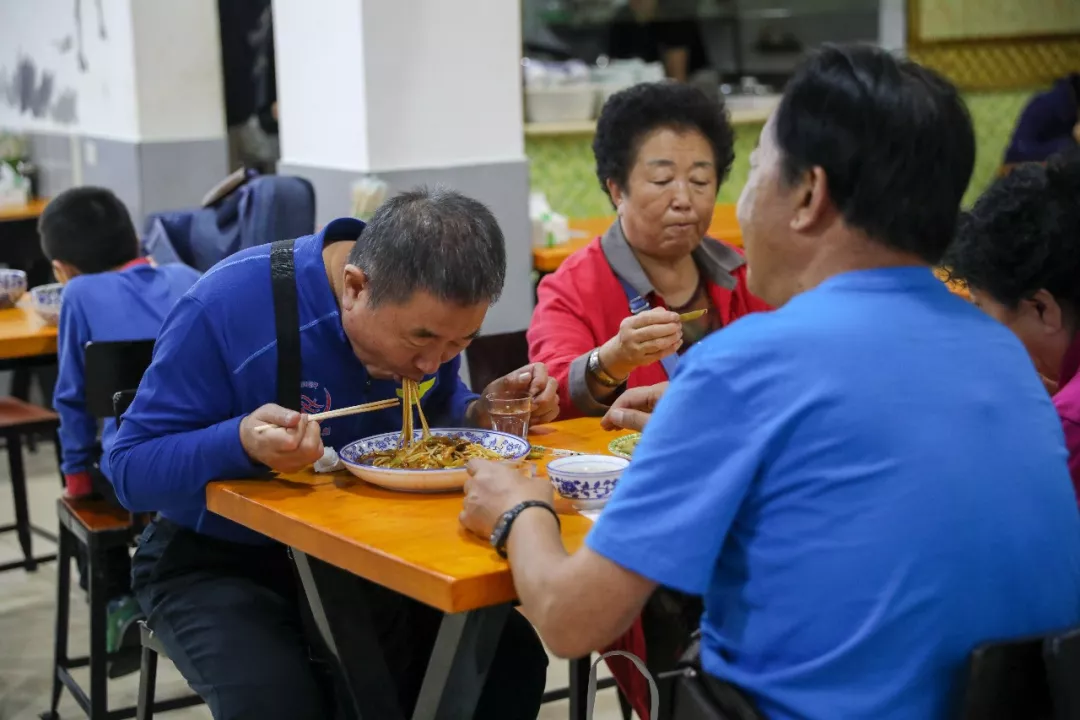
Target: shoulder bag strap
(286,322)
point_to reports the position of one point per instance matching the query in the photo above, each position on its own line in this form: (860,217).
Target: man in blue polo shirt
(866,483)
(400,298)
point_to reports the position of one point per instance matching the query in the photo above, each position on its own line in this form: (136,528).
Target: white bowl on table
(586,480)
(510,447)
(45,300)
(12,287)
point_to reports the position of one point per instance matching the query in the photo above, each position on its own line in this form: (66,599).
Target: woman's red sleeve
(560,332)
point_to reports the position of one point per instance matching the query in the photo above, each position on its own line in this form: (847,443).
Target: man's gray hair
(435,240)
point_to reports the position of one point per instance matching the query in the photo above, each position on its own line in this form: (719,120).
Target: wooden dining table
(412,544)
(24,337)
(29,210)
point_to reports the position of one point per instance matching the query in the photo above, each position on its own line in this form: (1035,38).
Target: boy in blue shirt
(863,485)
(110,294)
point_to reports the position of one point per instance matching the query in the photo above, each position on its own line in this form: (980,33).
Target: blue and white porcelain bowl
(45,299)
(12,287)
(587,480)
(510,447)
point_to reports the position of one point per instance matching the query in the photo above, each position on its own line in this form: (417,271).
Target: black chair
(151,648)
(113,371)
(1032,678)
(490,357)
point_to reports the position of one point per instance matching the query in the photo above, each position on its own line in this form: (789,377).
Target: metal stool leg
(18,491)
(99,701)
(579,687)
(65,551)
(147,682)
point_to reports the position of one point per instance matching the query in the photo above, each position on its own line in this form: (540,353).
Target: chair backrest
(1062,655)
(261,209)
(111,368)
(492,356)
(1031,678)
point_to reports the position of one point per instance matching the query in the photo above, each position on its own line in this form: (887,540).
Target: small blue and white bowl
(45,299)
(586,480)
(510,447)
(12,287)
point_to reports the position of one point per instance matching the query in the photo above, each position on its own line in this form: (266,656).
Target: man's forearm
(535,551)
(568,600)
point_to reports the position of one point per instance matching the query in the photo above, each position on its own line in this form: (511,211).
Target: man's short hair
(894,139)
(435,240)
(88,228)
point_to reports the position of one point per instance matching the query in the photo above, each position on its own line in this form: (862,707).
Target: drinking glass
(510,413)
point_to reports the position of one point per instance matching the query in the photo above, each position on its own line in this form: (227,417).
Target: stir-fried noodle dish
(430,452)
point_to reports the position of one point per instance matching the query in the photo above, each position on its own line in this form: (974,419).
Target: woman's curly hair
(631,114)
(1023,235)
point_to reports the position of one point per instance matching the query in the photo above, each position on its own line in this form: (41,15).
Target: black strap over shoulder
(286,322)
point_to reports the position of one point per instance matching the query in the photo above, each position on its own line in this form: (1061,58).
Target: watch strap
(600,372)
(502,534)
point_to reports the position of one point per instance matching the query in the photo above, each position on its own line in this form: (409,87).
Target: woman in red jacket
(608,319)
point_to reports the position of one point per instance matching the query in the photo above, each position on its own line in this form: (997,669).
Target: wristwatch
(596,369)
(501,533)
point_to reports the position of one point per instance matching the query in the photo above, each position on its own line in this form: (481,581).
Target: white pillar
(892,25)
(135,104)
(414,92)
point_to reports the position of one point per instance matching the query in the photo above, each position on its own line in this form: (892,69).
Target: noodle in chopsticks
(430,452)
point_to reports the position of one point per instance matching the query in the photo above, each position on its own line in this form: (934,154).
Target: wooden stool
(98,526)
(18,419)
(151,648)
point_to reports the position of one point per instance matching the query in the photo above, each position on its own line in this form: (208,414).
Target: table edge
(440,591)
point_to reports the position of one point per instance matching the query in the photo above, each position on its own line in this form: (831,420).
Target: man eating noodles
(859,503)
(336,319)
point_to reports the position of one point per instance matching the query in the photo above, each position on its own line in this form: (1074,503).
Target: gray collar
(714,258)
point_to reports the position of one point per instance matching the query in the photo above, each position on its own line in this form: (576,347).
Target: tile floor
(27,616)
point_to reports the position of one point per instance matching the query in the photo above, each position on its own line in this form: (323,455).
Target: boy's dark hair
(894,139)
(1023,235)
(631,114)
(89,229)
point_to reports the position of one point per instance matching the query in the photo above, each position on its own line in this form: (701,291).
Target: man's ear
(354,287)
(63,272)
(812,192)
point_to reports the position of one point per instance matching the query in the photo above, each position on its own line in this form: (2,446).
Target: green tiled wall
(562,166)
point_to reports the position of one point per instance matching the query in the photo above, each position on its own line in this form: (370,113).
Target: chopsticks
(692,315)
(342,412)
(538,451)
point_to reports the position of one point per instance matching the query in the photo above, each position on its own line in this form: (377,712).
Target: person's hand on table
(292,444)
(493,488)
(642,340)
(531,380)
(632,409)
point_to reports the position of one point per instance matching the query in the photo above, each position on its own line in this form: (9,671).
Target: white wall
(152,68)
(179,85)
(892,25)
(103,93)
(443,81)
(320,83)
(382,85)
